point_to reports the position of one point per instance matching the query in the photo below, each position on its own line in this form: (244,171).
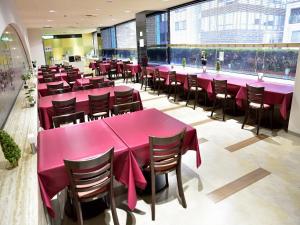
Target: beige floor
(273,200)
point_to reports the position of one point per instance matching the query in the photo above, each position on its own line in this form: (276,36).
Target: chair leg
(153,195)
(188,98)
(167,179)
(214,106)
(175,93)
(259,119)
(272,117)
(246,117)
(113,208)
(180,188)
(142,82)
(146,83)
(158,88)
(196,99)
(224,105)
(78,212)
(169,93)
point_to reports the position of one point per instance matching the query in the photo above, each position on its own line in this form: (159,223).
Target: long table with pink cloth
(275,93)
(42,87)
(82,101)
(128,134)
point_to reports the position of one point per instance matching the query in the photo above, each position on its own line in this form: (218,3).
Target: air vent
(89,15)
(47,27)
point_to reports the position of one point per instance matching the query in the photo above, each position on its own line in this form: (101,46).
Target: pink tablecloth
(82,102)
(134,68)
(42,87)
(75,142)
(135,128)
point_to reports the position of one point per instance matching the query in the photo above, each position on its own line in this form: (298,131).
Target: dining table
(42,87)
(45,107)
(87,81)
(128,134)
(275,93)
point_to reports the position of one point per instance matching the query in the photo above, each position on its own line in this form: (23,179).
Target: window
(295,36)
(108,38)
(126,35)
(295,16)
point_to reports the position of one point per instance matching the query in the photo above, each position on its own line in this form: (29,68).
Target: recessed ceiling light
(97,9)
(165,0)
(50,20)
(109,1)
(113,19)
(52,11)
(127,11)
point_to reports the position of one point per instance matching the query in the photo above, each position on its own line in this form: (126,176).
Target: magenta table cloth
(134,68)
(135,128)
(76,142)
(82,102)
(104,67)
(40,71)
(86,81)
(42,87)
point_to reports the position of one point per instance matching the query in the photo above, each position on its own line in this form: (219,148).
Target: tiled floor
(269,199)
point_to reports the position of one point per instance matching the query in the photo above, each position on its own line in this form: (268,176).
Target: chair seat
(174,83)
(147,76)
(159,79)
(254,105)
(193,88)
(99,114)
(222,96)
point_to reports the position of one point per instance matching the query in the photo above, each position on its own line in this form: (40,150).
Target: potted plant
(10,149)
(218,66)
(29,97)
(25,77)
(183,62)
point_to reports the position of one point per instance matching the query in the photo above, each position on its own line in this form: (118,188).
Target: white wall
(36,46)
(8,16)
(294,123)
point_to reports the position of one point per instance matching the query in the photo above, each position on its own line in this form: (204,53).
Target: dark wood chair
(220,94)
(255,101)
(48,79)
(51,88)
(91,179)
(193,87)
(165,156)
(126,108)
(106,84)
(127,74)
(158,81)
(64,107)
(99,106)
(173,84)
(96,81)
(56,91)
(122,97)
(68,118)
(145,78)
(72,77)
(88,75)
(113,70)
(84,87)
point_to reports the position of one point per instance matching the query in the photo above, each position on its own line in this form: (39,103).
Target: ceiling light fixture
(127,11)
(52,11)
(49,20)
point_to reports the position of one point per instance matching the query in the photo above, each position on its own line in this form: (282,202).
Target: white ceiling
(71,14)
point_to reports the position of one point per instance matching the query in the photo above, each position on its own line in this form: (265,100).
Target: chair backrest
(122,97)
(93,176)
(55,86)
(84,87)
(68,118)
(56,91)
(106,84)
(192,81)
(156,73)
(64,107)
(165,152)
(48,79)
(48,74)
(99,103)
(88,74)
(172,76)
(255,94)
(220,87)
(72,76)
(126,108)
(96,81)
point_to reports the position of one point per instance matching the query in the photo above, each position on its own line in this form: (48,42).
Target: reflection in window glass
(13,63)
(108,38)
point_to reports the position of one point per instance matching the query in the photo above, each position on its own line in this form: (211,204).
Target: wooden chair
(91,179)
(88,75)
(158,81)
(193,87)
(145,78)
(56,91)
(96,81)
(106,84)
(64,107)
(220,94)
(84,87)
(99,106)
(48,79)
(255,101)
(51,88)
(122,97)
(72,77)
(113,70)
(127,74)
(68,118)
(165,156)
(126,108)
(173,84)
